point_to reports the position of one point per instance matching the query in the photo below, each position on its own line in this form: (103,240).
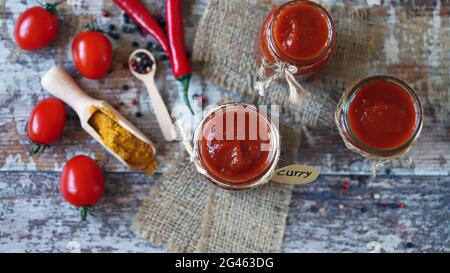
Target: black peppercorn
(410,245)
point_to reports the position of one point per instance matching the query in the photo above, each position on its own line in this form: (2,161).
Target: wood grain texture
(34,218)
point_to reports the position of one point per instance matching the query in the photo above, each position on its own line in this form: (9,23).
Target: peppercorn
(346,185)
(126,18)
(410,245)
(114,35)
(134,44)
(105,13)
(125,87)
(138,114)
(163,58)
(363,209)
(112,27)
(126,29)
(149,45)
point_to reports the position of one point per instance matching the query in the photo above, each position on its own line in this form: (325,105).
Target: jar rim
(278,52)
(350,94)
(271,162)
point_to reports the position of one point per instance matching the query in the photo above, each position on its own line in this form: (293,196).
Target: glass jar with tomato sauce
(236,146)
(380,117)
(300,33)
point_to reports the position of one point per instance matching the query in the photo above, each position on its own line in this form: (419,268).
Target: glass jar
(236,146)
(380,117)
(300,33)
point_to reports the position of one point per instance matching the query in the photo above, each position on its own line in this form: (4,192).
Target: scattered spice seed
(138,114)
(112,27)
(149,45)
(341,207)
(400,205)
(105,13)
(121,103)
(163,58)
(134,44)
(126,18)
(314,209)
(322,210)
(346,186)
(125,87)
(126,29)
(385,205)
(114,35)
(388,172)
(410,245)
(363,209)
(133,102)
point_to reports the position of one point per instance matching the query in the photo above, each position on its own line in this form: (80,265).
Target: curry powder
(138,154)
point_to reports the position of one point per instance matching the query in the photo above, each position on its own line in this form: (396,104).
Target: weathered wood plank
(35,218)
(416,54)
(402,55)
(324,217)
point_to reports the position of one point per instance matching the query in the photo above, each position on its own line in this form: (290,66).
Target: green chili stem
(185,82)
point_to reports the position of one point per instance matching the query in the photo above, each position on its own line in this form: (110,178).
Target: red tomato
(46,122)
(82,182)
(36,28)
(92,54)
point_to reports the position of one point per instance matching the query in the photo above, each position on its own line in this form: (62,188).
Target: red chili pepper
(139,13)
(174,46)
(178,55)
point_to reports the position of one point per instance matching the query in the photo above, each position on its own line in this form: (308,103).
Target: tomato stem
(51,7)
(35,148)
(84,210)
(185,82)
(91,26)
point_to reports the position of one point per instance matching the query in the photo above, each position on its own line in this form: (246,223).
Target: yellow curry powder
(131,149)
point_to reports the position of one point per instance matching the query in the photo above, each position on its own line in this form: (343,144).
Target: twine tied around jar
(269,72)
(188,147)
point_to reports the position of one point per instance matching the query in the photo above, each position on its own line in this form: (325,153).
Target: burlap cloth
(187,214)
(224,53)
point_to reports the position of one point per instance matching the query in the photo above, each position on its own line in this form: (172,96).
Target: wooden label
(296,175)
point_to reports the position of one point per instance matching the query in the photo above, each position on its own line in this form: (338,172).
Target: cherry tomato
(36,28)
(82,183)
(46,122)
(92,54)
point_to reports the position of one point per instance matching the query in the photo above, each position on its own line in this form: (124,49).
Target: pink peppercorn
(133,102)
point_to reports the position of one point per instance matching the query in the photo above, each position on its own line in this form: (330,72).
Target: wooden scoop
(161,112)
(61,85)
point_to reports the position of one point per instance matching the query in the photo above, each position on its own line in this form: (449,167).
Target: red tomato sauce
(302,31)
(382,115)
(234,146)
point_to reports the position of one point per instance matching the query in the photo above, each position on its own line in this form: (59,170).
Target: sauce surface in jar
(235,146)
(302,31)
(382,115)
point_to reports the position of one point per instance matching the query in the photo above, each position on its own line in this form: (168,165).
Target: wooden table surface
(402,210)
